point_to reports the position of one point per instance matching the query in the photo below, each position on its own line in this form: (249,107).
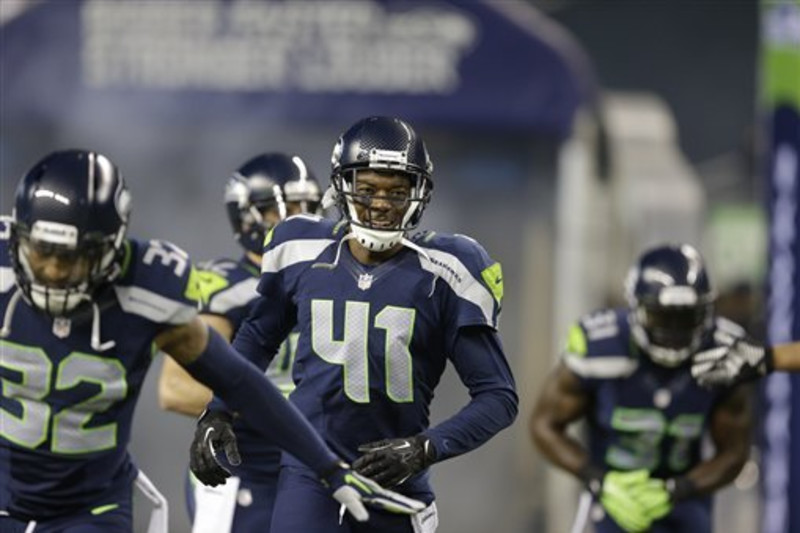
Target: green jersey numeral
(644,429)
(70,427)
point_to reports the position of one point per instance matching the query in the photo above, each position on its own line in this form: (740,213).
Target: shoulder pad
(226,285)
(160,283)
(221,265)
(597,345)
(298,239)
(305,226)
(452,254)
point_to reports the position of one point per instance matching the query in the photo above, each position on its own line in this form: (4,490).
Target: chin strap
(408,244)
(12,304)
(331,266)
(330,198)
(97,344)
(405,242)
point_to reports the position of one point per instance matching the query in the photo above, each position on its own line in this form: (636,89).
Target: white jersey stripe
(615,366)
(6,278)
(237,295)
(450,269)
(292,252)
(153,306)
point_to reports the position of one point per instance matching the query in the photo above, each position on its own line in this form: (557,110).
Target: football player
(627,373)
(379,314)
(262,192)
(83,310)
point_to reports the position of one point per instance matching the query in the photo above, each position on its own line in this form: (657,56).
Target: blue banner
(453,63)
(781,92)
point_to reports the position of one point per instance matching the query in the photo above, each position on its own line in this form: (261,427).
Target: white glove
(355,491)
(741,361)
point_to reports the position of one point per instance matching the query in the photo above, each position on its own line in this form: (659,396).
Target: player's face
(381,198)
(294,208)
(271,216)
(55,266)
(673,328)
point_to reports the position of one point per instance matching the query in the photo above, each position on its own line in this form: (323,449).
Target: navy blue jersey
(373,340)
(642,415)
(66,408)
(230,292)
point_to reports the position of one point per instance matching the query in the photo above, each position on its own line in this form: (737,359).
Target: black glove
(741,361)
(390,462)
(214,432)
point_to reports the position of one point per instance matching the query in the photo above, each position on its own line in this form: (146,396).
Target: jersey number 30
(351,352)
(29,426)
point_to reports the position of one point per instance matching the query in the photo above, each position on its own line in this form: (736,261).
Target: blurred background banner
(444,62)
(781,97)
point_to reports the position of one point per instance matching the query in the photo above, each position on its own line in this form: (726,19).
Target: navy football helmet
(671,302)
(304,189)
(382,144)
(261,184)
(69,223)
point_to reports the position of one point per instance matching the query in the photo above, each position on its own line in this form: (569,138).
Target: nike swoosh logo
(206,439)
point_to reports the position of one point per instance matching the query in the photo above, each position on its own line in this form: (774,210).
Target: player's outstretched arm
(786,357)
(246,390)
(744,360)
(178,391)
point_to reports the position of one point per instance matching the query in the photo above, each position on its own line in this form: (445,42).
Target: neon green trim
(350,479)
(126,258)
(576,341)
(207,283)
(268,237)
(342,223)
(104,508)
(252,268)
(493,277)
(780,54)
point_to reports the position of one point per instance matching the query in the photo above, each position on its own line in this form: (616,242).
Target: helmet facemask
(388,147)
(671,332)
(83,264)
(248,215)
(305,193)
(374,235)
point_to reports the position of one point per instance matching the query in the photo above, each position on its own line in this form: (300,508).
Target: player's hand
(355,491)
(214,432)
(655,498)
(741,361)
(618,497)
(390,462)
